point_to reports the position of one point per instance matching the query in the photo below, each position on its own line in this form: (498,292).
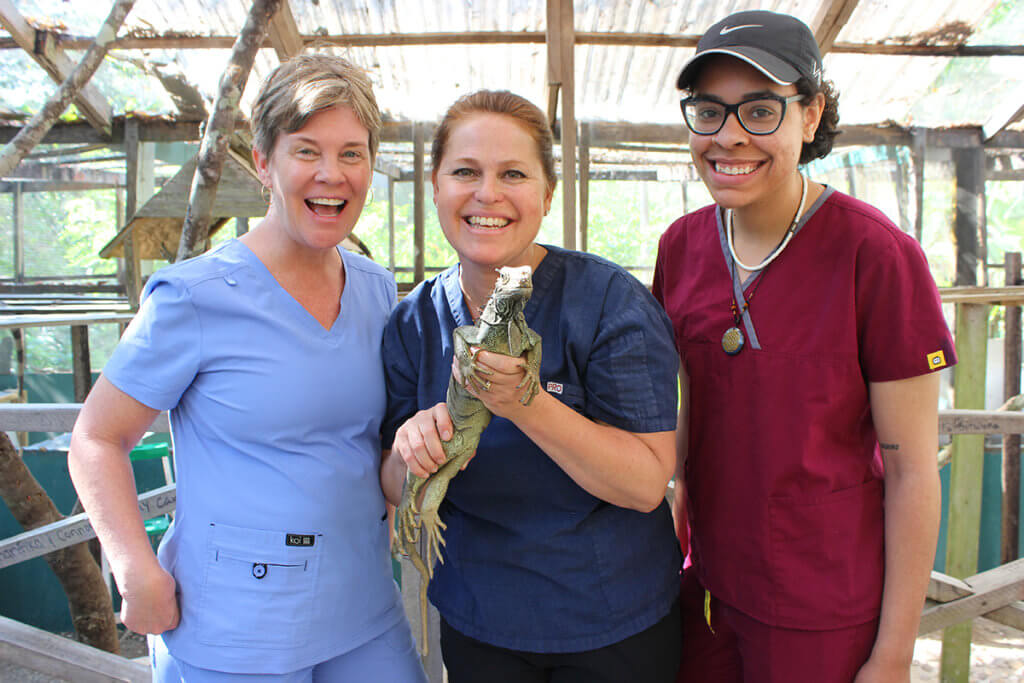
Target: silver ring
(487,385)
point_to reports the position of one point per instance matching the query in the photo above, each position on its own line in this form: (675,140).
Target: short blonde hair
(306,84)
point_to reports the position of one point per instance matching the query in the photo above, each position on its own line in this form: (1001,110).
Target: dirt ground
(997,655)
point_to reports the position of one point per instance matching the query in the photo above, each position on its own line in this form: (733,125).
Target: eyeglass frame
(734,109)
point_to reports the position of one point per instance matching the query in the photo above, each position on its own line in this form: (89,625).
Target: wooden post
(965,480)
(41,123)
(19,356)
(220,126)
(132,264)
(18,217)
(419,226)
(81,367)
(584,185)
(241,225)
(1011,442)
(391,224)
(899,182)
(918,136)
(970,193)
(566,47)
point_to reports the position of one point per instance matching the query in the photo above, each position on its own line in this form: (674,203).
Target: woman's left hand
(501,382)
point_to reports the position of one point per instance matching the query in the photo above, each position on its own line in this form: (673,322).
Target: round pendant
(732,341)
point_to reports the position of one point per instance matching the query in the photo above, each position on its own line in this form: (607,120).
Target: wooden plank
(562,40)
(75,529)
(830,20)
(991,590)
(41,47)
(970,196)
(419,230)
(18,226)
(585,177)
(8,322)
(54,417)
(553,38)
(623,38)
(1010,480)
(81,367)
(391,224)
(283,33)
(132,261)
(965,480)
(945,588)
(37,650)
(982,295)
(980,421)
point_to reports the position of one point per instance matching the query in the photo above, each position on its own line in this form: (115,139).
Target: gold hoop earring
(265,194)
(370,200)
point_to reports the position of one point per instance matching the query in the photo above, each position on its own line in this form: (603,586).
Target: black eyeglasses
(760,115)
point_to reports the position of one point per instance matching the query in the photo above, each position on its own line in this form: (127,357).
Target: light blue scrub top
(279,545)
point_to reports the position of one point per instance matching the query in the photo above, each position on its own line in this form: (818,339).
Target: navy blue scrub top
(533,561)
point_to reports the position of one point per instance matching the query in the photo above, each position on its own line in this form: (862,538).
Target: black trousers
(651,656)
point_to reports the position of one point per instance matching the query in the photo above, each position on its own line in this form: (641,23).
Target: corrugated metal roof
(613,82)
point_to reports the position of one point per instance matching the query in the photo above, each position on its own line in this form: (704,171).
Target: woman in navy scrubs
(560,562)
(809,328)
(266,351)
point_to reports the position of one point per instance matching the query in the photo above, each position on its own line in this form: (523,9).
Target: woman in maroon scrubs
(809,328)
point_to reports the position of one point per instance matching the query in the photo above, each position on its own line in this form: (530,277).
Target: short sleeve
(158,356)
(631,375)
(401,377)
(901,330)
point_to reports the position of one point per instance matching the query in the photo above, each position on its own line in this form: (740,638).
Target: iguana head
(511,292)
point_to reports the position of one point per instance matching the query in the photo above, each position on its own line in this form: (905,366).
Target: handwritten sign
(76,529)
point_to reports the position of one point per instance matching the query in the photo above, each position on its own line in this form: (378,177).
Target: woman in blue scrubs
(561,562)
(266,352)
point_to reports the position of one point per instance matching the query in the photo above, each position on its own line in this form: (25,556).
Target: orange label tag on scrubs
(936,360)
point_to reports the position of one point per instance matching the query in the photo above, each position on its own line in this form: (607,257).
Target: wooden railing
(995,594)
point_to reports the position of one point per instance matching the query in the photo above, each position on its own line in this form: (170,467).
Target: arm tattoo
(889,446)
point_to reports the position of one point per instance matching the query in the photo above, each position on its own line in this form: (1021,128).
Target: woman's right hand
(419,440)
(150,602)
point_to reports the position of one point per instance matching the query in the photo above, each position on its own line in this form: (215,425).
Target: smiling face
(743,170)
(490,191)
(319,176)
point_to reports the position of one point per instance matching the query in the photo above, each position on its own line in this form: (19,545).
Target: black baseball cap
(778,45)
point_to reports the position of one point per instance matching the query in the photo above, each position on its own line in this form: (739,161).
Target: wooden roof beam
(832,17)
(41,46)
(64,174)
(283,33)
(621,38)
(1009,111)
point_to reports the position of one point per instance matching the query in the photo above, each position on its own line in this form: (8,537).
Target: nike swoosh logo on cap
(729,29)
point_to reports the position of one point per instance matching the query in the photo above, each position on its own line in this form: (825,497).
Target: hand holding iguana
(500,329)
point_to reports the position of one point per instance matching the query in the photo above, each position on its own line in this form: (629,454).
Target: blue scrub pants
(390,657)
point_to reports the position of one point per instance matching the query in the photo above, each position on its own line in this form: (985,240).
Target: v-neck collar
(299,312)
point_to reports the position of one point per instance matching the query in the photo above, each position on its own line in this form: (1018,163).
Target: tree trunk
(40,124)
(91,612)
(219,128)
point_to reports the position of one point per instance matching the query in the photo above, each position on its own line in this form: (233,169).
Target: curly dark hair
(828,127)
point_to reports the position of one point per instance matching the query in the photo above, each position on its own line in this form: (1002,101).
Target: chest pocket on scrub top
(258,590)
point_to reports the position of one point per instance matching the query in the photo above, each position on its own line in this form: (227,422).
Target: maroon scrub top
(783,477)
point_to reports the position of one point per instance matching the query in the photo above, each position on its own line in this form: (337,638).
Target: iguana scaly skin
(502,329)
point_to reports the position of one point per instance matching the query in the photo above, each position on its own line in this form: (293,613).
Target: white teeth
(487,222)
(735,170)
(327,201)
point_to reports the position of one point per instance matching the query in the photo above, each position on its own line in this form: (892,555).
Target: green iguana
(502,329)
